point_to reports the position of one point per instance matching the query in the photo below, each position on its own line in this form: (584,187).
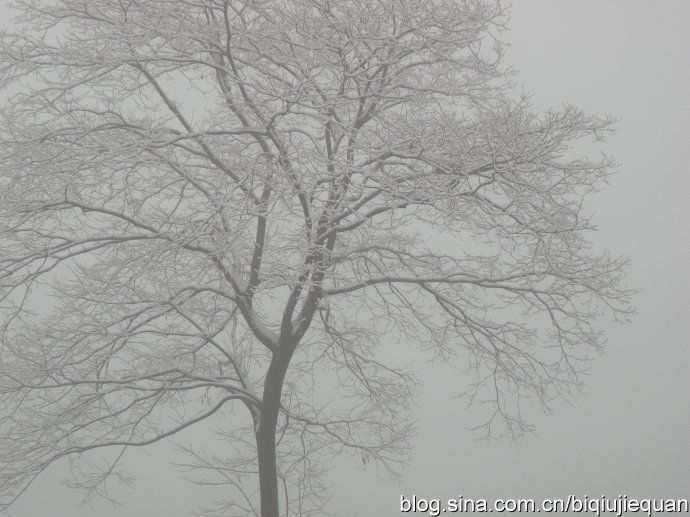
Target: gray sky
(628,433)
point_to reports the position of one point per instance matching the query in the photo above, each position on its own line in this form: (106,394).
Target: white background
(629,433)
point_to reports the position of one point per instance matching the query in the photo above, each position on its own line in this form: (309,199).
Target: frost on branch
(218,211)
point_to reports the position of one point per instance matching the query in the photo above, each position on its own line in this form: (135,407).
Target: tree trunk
(266,434)
(268,473)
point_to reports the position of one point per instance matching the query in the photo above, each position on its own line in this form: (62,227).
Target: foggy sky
(629,432)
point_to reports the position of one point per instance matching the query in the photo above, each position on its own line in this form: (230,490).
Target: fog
(627,433)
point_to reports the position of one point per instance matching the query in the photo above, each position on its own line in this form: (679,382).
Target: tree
(232,205)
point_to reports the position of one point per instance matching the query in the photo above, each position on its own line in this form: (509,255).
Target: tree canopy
(222,208)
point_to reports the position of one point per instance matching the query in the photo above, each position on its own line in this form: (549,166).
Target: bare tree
(214,210)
